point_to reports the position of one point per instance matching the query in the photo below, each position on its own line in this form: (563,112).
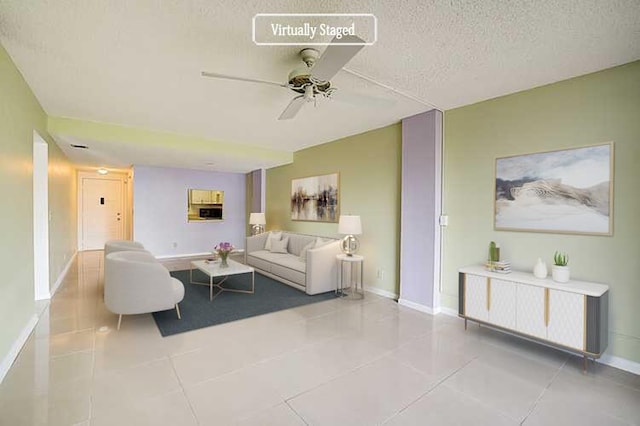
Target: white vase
(560,274)
(540,269)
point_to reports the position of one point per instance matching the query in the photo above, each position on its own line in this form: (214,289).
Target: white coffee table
(213,270)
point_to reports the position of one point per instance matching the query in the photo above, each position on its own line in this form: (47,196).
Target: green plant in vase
(560,259)
(560,271)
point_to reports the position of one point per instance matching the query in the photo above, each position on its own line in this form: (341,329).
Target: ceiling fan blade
(293,108)
(250,80)
(335,57)
(361,100)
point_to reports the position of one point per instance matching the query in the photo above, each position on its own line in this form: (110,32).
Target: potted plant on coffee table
(560,271)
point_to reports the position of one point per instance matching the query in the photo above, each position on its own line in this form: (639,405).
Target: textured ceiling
(137,63)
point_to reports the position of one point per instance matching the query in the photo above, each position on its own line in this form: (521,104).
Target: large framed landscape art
(567,191)
(316,198)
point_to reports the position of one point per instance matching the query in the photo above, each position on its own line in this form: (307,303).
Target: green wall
(587,110)
(370,173)
(20,115)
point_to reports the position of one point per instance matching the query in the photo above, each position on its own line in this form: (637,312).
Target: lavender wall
(160,198)
(421,205)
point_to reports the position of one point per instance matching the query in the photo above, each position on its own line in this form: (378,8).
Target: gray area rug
(198,312)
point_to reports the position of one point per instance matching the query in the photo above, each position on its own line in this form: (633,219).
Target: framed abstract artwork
(315,198)
(568,191)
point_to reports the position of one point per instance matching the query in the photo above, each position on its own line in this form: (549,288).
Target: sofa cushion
(321,242)
(258,263)
(286,260)
(272,236)
(279,246)
(288,273)
(297,242)
(303,252)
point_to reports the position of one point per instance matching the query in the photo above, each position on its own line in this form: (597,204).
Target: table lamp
(257,220)
(350,226)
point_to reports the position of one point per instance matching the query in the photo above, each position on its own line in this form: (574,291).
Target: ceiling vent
(79,146)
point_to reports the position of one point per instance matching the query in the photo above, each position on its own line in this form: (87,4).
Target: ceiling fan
(312,80)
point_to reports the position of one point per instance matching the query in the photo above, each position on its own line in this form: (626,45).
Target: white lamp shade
(257,219)
(349,225)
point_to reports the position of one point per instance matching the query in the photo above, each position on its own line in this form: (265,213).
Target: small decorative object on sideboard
(494,252)
(494,264)
(540,269)
(560,271)
(223,250)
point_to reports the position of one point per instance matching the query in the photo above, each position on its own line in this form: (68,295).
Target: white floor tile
(446,407)
(366,396)
(280,415)
(232,397)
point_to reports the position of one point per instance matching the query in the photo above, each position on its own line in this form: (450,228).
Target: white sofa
(316,272)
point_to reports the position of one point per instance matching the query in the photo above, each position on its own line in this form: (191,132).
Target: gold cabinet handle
(546,307)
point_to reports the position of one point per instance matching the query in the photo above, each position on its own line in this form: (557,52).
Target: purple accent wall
(160,197)
(256,185)
(421,204)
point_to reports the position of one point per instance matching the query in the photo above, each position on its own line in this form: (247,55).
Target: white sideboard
(572,316)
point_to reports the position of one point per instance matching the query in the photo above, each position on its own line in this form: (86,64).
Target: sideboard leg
(465,324)
(584,364)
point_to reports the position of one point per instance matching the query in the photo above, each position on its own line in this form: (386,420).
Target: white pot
(560,274)
(540,269)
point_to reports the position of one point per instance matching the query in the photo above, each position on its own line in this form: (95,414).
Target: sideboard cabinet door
(476,297)
(502,306)
(566,319)
(530,311)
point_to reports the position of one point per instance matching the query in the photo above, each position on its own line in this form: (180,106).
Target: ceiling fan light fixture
(308,93)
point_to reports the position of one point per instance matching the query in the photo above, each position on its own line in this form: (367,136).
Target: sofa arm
(256,242)
(322,268)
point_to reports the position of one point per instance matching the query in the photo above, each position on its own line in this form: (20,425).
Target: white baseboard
(418,307)
(11,356)
(380,292)
(449,311)
(62,275)
(621,363)
(184,255)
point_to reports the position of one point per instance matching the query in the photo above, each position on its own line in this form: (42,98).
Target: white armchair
(136,283)
(122,245)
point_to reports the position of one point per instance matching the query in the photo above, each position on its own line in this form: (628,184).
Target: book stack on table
(501,266)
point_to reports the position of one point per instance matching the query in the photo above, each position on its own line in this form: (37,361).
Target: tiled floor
(338,362)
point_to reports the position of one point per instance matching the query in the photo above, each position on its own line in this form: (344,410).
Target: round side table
(355,278)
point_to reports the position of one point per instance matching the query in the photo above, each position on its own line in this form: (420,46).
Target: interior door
(102,212)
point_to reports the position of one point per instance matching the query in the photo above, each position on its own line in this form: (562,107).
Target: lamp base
(350,245)
(257,229)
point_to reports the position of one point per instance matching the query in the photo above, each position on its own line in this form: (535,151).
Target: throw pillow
(305,249)
(273,236)
(280,246)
